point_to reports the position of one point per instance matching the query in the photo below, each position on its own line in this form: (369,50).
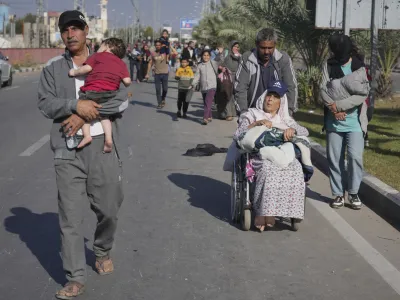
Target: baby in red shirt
(105,71)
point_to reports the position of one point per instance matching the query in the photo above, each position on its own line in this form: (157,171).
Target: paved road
(174,240)
(396,82)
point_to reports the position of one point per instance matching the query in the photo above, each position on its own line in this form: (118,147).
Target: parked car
(6,72)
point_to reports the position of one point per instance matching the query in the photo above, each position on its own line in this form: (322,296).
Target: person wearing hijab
(279,192)
(230,65)
(146,56)
(345,122)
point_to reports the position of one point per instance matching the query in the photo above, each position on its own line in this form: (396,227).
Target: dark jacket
(248,78)
(231,61)
(57,101)
(186,55)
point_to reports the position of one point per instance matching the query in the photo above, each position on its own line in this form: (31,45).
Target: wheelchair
(241,194)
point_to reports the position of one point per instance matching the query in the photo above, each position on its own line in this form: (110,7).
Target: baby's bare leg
(107,127)
(87,138)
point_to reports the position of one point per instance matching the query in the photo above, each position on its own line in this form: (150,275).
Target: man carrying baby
(87,173)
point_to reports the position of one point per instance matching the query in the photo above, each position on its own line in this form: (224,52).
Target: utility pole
(40,30)
(135,20)
(79,5)
(4,25)
(159,23)
(346,17)
(374,45)
(155,7)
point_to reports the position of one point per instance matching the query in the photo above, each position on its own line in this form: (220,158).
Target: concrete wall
(35,55)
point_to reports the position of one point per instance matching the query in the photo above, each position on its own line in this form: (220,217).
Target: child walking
(185,76)
(105,71)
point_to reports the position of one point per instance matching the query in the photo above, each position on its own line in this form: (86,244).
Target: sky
(171,10)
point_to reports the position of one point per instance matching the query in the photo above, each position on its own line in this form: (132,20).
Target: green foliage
(387,62)
(295,24)
(29,18)
(148,31)
(362,39)
(308,85)
(389,52)
(242,19)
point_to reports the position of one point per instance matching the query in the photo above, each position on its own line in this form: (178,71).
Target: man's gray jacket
(248,78)
(57,101)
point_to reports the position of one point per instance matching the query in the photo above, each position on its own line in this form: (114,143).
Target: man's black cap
(71,16)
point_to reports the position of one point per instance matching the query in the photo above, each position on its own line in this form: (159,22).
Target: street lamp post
(123,33)
(113,27)
(127,29)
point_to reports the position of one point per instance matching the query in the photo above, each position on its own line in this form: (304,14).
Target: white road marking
(11,88)
(36,146)
(388,272)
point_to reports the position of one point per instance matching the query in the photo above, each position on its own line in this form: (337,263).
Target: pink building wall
(34,55)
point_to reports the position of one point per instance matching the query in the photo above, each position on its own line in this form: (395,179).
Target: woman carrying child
(345,123)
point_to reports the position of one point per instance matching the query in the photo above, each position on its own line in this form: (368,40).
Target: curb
(25,70)
(377,195)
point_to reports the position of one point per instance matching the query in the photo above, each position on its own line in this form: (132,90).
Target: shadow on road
(146,104)
(155,99)
(317,196)
(41,234)
(206,193)
(175,118)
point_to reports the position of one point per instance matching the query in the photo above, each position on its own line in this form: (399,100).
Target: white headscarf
(281,119)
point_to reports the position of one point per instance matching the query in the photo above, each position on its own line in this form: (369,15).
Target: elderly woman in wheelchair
(278,160)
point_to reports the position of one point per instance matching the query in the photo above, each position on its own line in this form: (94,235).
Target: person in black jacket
(135,59)
(189,54)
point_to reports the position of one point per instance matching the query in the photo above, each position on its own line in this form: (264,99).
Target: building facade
(54,32)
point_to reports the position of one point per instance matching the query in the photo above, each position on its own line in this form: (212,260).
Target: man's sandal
(71,290)
(259,223)
(104,266)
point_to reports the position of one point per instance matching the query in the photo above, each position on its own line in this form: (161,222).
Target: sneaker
(179,114)
(184,115)
(159,106)
(338,202)
(355,202)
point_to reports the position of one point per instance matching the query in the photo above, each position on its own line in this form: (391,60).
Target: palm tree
(295,23)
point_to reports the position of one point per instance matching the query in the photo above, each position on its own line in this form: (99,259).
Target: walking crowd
(86,94)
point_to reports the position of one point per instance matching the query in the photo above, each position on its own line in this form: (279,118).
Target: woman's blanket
(356,83)
(269,144)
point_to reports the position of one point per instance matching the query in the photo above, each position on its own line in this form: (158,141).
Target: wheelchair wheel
(295,224)
(235,195)
(246,220)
